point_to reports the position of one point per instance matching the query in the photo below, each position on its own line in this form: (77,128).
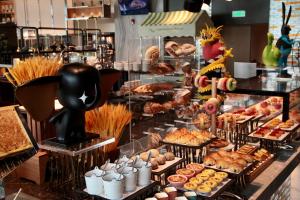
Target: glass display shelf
(269,86)
(77,149)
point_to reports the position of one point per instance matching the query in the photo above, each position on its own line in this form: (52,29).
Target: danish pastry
(190,186)
(204,189)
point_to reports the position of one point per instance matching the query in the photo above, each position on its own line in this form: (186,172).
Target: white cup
(113,185)
(94,182)
(131,175)
(144,172)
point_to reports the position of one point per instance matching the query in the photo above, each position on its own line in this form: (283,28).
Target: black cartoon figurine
(78,87)
(284,43)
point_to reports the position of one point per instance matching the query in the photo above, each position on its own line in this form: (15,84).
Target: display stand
(68,164)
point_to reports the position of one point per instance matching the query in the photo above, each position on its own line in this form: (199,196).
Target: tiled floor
(295,181)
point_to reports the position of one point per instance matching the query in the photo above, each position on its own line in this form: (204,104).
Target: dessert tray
(16,142)
(215,192)
(245,169)
(268,134)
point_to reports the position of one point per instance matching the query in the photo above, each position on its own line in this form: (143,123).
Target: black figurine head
(79,86)
(285,28)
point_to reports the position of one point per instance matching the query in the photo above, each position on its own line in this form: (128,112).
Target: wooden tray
(169,164)
(259,168)
(214,193)
(129,195)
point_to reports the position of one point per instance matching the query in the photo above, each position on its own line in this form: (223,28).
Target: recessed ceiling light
(228,0)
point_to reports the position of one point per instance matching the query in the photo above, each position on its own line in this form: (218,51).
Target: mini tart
(216,179)
(196,180)
(203,189)
(204,177)
(209,172)
(221,174)
(211,184)
(190,186)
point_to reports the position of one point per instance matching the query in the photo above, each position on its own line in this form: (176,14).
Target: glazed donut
(203,81)
(152,54)
(210,107)
(187,49)
(171,47)
(231,84)
(196,81)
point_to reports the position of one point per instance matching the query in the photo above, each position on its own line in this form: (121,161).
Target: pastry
(190,186)
(231,84)
(203,177)
(154,153)
(161,160)
(196,167)
(187,49)
(246,149)
(222,164)
(202,121)
(196,180)
(196,80)
(203,189)
(186,172)
(177,180)
(218,143)
(248,158)
(227,159)
(161,196)
(211,184)
(215,156)
(211,106)
(223,153)
(216,179)
(152,54)
(235,155)
(221,174)
(209,172)
(154,163)
(169,156)
(161,68)
(235,168)
(209,161)
(242,162)
(144,156)
(168,105)
(172,48)
(172,192)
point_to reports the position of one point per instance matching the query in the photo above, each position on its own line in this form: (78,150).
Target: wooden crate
(34,169)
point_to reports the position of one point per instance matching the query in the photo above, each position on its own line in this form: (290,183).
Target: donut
(203,81)
(152,54)
(196,81)
(231,84)
(210,107)
(222,84)
(171,47)
(187,49)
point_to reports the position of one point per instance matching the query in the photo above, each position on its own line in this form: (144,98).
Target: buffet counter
(267,183)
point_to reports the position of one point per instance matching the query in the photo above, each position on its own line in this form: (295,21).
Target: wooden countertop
(270,179)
